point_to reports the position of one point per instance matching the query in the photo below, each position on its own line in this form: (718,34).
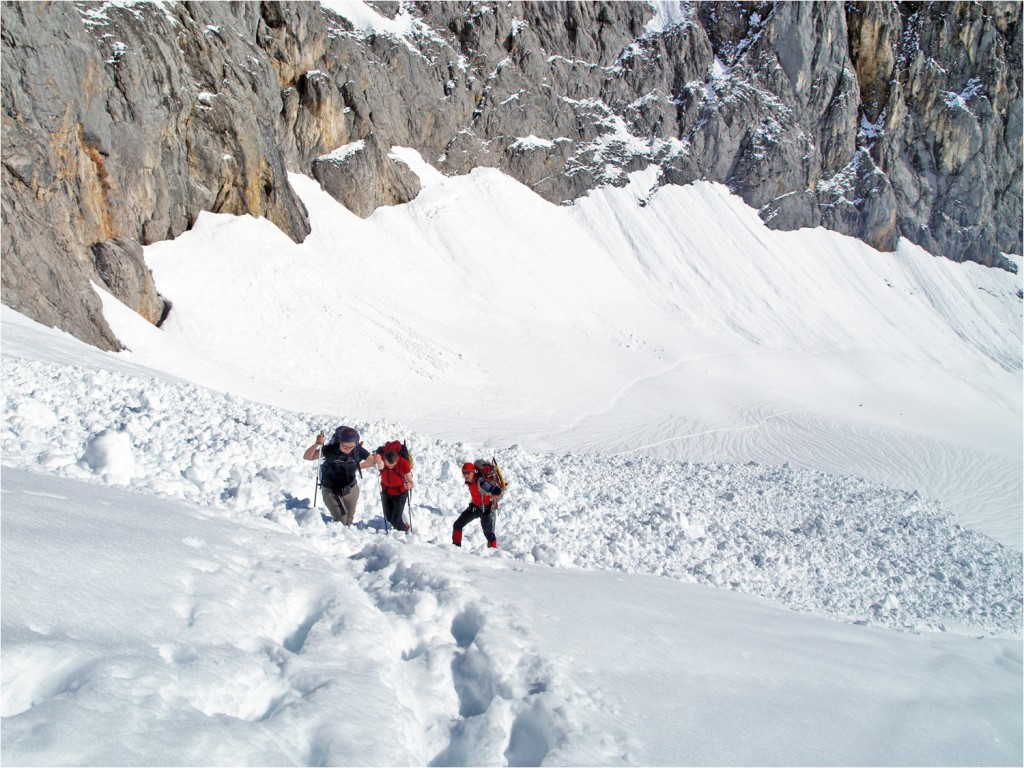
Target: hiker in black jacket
(343,458)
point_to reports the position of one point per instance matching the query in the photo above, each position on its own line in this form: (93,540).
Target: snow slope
(688,407)
(660,322)
(828,544)
(146,630)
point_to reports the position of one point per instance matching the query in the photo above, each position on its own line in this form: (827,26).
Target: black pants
(471,513)
(393,508)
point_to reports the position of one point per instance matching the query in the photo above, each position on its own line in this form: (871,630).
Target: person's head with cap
(345,438)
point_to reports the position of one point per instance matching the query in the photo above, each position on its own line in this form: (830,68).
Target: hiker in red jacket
(484,495)
(395,483)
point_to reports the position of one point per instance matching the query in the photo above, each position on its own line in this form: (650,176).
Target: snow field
(662,356)
(667,321)
(826,544)
(444,675)
(188,635)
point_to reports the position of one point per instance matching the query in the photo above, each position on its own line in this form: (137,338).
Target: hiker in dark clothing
(395,484)
(343,458)
(483,495)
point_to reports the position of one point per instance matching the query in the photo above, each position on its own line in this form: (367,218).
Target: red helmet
(468,467)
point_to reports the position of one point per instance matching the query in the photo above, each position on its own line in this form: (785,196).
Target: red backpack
(399,448)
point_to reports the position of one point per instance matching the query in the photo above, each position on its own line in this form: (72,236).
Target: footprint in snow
(505,698)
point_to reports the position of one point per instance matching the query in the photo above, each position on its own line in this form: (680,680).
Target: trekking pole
(406,446)
(319,474)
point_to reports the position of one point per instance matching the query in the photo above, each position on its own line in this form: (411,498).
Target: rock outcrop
(364,176)
(122,123)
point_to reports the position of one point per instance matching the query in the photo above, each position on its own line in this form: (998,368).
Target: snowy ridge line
(832,545)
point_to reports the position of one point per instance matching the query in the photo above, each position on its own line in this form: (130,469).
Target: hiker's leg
(468,514)
(397,507)
(393,506)
(487,523)
(349,501)
(333,502)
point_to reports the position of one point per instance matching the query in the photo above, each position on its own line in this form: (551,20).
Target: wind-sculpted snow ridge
(831,545)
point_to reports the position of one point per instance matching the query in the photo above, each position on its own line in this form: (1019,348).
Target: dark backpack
(491,481)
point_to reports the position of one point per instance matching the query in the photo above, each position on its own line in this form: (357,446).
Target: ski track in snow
(828,544)
(717,430)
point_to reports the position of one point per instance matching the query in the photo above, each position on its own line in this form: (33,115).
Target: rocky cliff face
(121,123)
(119,126)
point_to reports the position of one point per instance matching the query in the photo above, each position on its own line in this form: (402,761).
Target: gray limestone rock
(121,124)
(122,269)
(364,176)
